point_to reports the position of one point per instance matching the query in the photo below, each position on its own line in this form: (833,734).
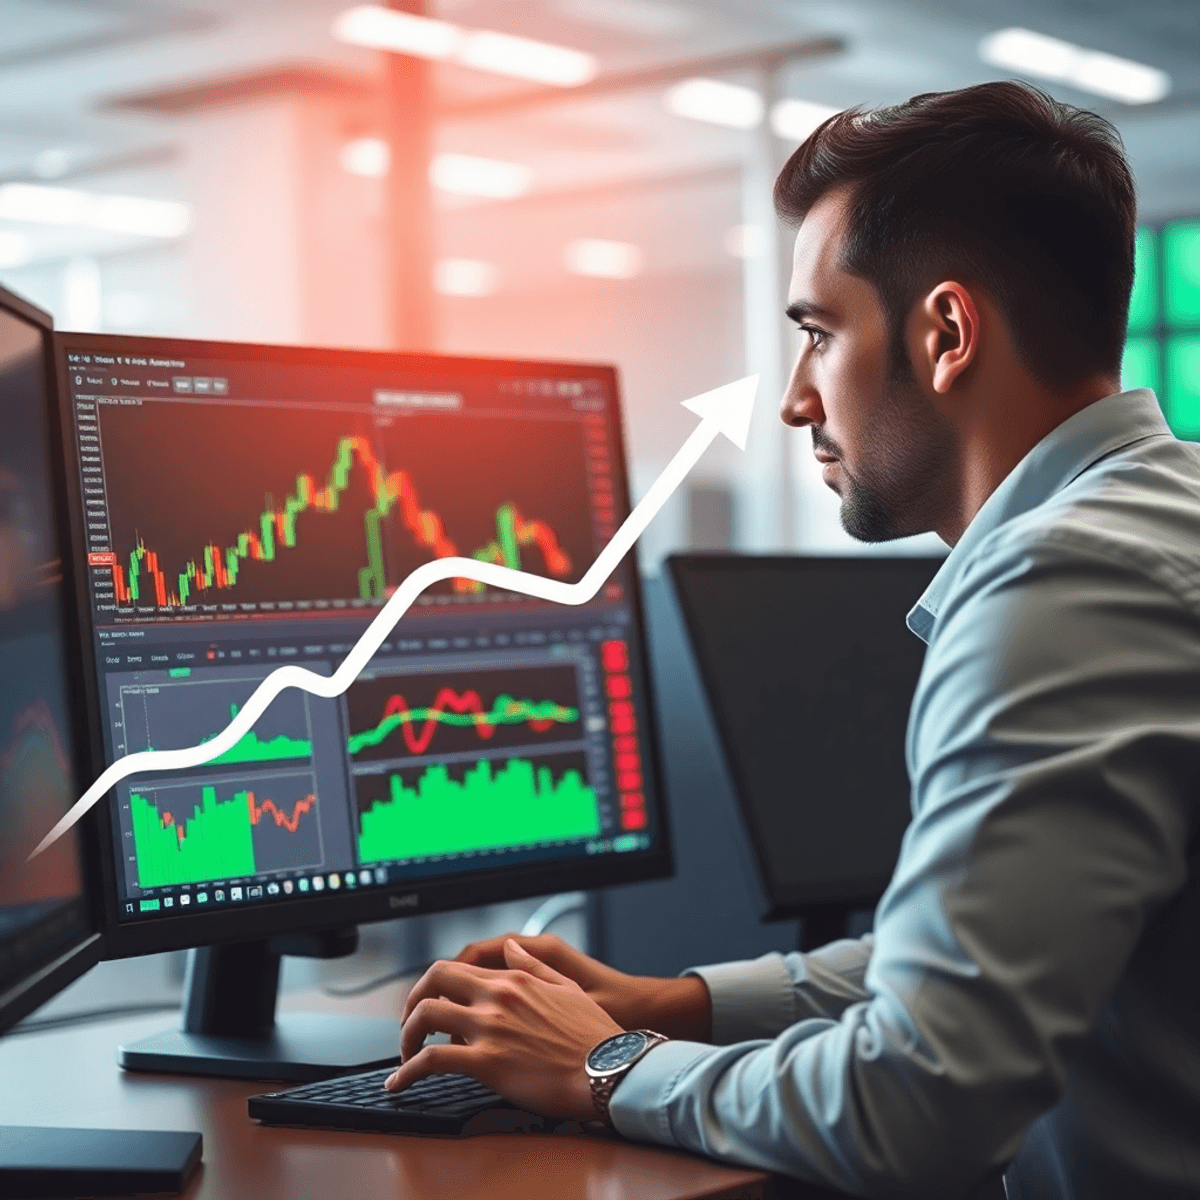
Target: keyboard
(435,1104)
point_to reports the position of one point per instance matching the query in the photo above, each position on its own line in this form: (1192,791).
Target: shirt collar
(1061,456)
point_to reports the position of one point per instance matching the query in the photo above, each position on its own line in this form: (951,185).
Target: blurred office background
(570,179)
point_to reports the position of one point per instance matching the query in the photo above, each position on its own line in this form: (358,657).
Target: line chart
(724,410)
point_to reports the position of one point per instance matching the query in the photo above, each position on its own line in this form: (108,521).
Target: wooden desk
(70,1078)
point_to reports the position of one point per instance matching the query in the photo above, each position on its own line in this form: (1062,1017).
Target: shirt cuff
(638,1106)
(751,999)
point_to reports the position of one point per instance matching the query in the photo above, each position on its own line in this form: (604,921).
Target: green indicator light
(1181,267)
(1143,304)
(179,672)
(149,905)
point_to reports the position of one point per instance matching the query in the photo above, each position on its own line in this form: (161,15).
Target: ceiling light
(794,120)
(468,175)
(81,296)
(370,157)
(403,33)
(465,277)
(746,241)
(602,259)
(526,59)
(629,16)
(1045,57)
(716,102)
(93,210)
(15,249)
(501,53)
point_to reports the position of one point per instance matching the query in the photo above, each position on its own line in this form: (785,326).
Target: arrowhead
(729,408)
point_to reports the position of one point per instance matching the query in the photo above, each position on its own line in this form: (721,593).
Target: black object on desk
(435,1104)
(43,1161)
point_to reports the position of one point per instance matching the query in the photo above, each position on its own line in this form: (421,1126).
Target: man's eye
(815,335)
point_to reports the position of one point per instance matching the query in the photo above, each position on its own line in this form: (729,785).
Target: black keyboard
(435,1104)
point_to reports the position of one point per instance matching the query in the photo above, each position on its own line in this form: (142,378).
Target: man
(1031,993)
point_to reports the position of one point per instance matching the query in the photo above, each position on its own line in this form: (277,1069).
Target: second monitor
(241,507)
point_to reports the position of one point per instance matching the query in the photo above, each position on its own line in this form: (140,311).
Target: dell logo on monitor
(408,900)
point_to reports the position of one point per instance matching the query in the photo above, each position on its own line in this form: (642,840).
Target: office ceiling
(66,66)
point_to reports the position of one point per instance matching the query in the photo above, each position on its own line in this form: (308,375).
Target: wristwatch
(609,1061)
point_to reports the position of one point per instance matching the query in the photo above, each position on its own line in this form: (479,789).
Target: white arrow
(723,410)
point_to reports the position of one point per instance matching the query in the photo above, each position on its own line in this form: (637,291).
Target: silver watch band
(603,1086)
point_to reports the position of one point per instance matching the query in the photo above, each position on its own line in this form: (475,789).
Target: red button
(615,656)
(620,708)
(633,800)
(628,780)
(633,818)
(625,745)
(619,686)
(629,762)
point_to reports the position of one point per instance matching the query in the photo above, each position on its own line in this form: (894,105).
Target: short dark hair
(998,184)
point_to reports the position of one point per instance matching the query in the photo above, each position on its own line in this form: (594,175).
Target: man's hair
(996,184)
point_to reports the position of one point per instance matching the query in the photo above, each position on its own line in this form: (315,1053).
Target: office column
(285,245)
(768,488)
(407,112)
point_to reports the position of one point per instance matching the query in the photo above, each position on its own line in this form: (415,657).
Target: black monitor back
(809,671)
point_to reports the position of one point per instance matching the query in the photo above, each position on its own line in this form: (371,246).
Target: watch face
(616,1051)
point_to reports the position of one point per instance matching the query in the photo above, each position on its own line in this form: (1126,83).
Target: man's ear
(949,334)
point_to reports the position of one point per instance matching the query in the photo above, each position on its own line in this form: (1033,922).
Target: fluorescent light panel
(93,210)
(716,102)
(794,120)
(1044,57)
(465,277)
(467,175)
(483,49)
(602,259)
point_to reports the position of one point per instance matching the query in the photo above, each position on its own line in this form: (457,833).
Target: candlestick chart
(401,716)
(200,832)
(267,507)
(474,807)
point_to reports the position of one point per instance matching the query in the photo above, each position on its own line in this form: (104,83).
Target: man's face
(882,445)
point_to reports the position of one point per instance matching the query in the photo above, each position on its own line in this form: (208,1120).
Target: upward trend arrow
(724,410)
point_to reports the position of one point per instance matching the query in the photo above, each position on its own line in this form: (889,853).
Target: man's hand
(524,1032)
(680,1008)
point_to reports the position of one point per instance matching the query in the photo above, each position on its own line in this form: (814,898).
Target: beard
(889,495)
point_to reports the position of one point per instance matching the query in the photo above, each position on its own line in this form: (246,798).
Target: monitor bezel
(394,900)
(851,893)
(72,959)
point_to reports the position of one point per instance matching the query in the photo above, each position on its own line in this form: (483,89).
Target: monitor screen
(42,908)
(243,507)
(810,670)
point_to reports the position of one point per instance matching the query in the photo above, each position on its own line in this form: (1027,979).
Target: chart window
(241,514)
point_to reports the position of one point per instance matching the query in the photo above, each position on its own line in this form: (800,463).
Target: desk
(70,1078)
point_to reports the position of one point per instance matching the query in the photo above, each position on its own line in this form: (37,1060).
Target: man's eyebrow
(800,310)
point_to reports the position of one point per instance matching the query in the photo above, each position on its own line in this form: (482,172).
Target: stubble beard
(888,497)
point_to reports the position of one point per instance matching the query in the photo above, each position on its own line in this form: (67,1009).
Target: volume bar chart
(475,807)
(197,833)
(400,716)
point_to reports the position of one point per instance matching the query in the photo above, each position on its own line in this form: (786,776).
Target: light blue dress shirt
(1031,993)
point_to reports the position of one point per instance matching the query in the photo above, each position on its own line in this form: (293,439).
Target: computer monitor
(809,670)
(47,934)
(239,507)
(47,938)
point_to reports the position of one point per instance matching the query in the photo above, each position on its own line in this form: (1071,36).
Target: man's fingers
(519,958)
(455,981)
(434,1060)
(433,1016)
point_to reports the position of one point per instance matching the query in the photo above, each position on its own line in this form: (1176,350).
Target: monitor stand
(231,1029)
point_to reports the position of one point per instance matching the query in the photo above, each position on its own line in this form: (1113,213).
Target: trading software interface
(242,513)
